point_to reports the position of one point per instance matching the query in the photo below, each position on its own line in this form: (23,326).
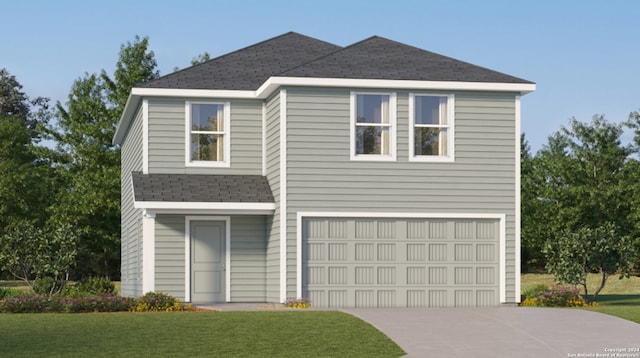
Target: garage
(401,262)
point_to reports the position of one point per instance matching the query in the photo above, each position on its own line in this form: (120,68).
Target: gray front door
(207,261)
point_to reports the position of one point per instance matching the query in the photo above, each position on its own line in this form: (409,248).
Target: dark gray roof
(247,68)
(296,55)
(380,58)
(201,188)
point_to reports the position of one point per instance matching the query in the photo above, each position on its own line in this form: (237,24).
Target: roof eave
(173,207)
(275,82)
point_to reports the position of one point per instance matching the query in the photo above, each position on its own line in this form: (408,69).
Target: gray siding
(321,176)
(273,175)
(248,258)
(131,218)
(170,255)
(167,137)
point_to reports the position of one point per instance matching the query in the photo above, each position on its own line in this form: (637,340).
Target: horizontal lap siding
(273,176)
(248,259)
(321,176)
(131,224)
(170,255)
(167,137)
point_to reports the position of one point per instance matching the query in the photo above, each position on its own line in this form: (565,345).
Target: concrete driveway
(505,332)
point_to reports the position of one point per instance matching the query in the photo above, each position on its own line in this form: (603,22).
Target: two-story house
(372,175)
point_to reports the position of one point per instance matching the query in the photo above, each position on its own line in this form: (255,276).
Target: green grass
(620,298)
(193,334)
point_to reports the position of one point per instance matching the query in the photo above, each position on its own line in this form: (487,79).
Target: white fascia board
(179,205)
(192,93)
(274,82)
(125,120)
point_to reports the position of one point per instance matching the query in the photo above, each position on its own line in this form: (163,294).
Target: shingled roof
(247,68)
(381,58)
(201,188)
(296,55)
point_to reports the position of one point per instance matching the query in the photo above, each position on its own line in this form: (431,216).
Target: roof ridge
(329,54)
(234,52)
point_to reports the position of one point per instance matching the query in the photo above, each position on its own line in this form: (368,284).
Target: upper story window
(207,134)
(373,126)
(431,127)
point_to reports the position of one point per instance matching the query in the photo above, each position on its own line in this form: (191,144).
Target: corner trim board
(518,216)
(148,251)
(283,195)
(145,136)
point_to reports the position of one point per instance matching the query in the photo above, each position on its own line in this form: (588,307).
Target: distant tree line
(60,203)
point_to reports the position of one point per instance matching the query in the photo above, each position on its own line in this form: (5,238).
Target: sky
(584,55)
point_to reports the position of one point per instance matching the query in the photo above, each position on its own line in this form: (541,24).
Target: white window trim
(450,158)
(227,138)
(392,128)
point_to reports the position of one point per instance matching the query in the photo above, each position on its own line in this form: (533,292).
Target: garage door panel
(400,262)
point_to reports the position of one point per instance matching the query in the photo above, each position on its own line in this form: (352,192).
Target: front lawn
(193,334)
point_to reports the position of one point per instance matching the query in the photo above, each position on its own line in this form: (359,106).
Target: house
(372,175)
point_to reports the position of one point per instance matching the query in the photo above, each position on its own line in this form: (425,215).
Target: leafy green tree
(574,254)
(25,179)
(31,253)
(579,181)
(15,103)
(203,57)
(90,196)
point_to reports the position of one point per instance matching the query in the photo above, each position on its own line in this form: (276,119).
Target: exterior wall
(167,137)
(248,256)
(170,255)
(273,175)
(131,218)
(321,176)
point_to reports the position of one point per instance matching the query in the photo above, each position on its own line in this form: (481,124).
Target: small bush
(159,302)
(47,286)
(558,296)
(297,303)
(7,292)
(59,304)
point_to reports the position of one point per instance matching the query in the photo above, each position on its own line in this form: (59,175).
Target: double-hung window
(207,134)
(373,126)
(431,127)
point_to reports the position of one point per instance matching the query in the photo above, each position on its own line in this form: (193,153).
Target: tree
(203,57)
(15,103)
(572,255)
(90,196)
(577,184)
(30,253)
(25,179)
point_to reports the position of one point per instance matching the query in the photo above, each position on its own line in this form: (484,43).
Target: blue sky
(583,55)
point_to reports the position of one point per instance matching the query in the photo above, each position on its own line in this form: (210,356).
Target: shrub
(297,303)
(59,304)
(7,292)
(93,286)
(47,286)
(558,296)
(159,302)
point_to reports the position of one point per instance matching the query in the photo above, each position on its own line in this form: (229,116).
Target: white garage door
(375,262)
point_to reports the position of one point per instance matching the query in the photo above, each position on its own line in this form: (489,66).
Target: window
(207,134)
(373,126)
(431,127)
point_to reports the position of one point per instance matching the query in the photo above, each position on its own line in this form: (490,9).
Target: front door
(207,261)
